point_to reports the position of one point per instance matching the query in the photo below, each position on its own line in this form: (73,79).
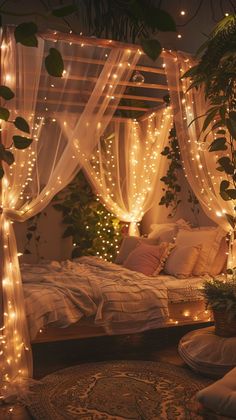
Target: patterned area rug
(117,390)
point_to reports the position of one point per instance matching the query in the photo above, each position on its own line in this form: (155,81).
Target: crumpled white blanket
(61,293)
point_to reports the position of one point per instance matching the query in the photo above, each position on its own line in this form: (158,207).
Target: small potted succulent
(220,296)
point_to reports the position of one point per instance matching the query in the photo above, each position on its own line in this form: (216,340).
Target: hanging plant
(93,229)
(172,191)
(171,198)
(216,73)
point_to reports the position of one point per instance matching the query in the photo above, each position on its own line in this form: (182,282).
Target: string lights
(124,166)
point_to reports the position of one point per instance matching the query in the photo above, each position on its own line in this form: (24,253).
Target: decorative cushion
(128,244)
(210,240)
(181,260)
(148,259)
(207,353)
(220,397)
(220,261)
(166,232)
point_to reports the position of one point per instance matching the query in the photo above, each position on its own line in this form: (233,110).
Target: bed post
(1,234)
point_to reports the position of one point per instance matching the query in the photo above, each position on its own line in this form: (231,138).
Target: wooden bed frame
(181,313)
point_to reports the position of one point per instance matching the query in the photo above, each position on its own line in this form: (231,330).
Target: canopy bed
(69,117)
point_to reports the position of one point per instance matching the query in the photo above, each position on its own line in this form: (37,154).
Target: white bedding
(61,293)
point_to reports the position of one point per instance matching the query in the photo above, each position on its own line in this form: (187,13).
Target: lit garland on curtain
(198,164)
(124,168)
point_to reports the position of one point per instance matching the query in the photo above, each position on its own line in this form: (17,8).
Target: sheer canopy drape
(199,164)
(127,164)
(64,116)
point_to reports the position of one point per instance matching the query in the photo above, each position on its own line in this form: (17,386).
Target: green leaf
(1,172)
(224,185)
(231,125)
(65,11)
(21,142)
(231,193)
(209,118)
(4,113)
(224,195)
(22,124)
(152,48)
(164,21)
(218,144)
(54,63)
(25,34)
(191,72)
(8,157)
(226,163)
(6,93)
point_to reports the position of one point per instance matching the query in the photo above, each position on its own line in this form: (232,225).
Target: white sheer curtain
(51,161)
(127,164)
(199,164)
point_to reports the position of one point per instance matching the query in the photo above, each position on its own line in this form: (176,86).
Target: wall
(159,214)
(51,245)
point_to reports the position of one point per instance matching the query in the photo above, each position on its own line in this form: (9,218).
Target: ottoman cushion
(207,353)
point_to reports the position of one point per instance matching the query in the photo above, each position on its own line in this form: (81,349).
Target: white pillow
(220,397)
(181,261)
(166,232)
(209,239)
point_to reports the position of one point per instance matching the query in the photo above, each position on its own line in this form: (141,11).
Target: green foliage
(127,20)
(221,295)
(33,237)
(194,205)
(54,63)
(93,229)
(172,189)
(216,72)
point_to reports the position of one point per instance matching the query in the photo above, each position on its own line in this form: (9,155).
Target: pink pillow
(148,259)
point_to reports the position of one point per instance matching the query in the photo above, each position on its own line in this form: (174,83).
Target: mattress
(119,300)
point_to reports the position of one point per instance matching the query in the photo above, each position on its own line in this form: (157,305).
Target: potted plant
(220,296)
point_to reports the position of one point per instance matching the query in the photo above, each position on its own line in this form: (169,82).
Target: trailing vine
(171,197)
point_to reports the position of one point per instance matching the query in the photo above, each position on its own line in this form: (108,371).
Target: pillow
(220,397)
(148,259)
(181,260)
(166,232)
(210,240)
(220,261)
(128,244)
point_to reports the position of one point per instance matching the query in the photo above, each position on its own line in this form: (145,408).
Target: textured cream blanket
(61,293)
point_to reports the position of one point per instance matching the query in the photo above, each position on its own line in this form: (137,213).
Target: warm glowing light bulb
(179,36)
(183,13)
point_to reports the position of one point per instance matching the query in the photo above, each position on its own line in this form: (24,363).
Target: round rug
(117,390)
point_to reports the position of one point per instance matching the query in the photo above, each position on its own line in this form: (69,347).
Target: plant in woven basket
(220,296)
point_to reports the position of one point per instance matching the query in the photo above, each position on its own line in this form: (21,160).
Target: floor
(157,345)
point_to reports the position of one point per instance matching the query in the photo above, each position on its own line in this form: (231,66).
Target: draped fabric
(65,115)
(127,165)
(199,164)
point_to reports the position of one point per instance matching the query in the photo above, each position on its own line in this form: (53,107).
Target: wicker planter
(224,327)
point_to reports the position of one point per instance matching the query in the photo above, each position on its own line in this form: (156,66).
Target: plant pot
(224,327)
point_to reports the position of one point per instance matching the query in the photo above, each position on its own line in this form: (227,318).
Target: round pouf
(207,353)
